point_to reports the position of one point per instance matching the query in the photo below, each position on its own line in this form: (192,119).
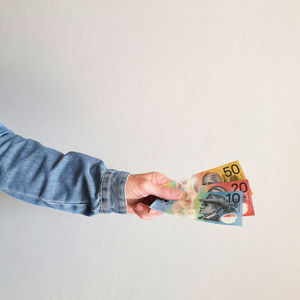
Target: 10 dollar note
(219,208)
(220,195)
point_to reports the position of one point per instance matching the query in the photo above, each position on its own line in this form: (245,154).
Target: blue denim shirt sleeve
(73,182)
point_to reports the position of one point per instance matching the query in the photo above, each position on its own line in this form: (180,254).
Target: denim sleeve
(73,182)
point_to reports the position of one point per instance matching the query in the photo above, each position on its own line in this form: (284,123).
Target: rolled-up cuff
(113,191)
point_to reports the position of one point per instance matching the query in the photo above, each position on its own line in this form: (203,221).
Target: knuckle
(165,191)
(155,175)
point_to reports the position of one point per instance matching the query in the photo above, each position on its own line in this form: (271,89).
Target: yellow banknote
(229,172)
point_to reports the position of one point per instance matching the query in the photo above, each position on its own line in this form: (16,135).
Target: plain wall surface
(170,86)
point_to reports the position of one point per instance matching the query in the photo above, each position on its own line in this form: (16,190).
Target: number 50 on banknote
(220,195)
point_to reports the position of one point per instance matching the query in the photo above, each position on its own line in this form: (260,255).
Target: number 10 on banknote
(220,195)
(220,207)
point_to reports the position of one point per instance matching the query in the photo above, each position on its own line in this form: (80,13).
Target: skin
(143,189)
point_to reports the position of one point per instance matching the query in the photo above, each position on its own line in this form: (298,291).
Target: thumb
(164,192)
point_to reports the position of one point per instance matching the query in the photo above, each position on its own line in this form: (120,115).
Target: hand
(143,189)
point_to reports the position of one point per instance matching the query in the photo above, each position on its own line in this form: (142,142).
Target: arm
(73,182)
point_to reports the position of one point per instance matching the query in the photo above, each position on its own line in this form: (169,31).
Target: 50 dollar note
(225,173)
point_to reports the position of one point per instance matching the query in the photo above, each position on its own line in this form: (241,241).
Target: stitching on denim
(124,192)
(100,190)
(101,182)
(40,198)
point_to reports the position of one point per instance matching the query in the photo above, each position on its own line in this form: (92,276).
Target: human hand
(143,189)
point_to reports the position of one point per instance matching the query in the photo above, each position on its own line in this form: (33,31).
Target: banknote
(213,207)
(226,173)
(233,186)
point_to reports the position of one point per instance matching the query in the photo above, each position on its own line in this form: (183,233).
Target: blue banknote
(214,207)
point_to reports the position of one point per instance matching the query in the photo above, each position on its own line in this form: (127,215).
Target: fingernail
(139,208)
(153,212)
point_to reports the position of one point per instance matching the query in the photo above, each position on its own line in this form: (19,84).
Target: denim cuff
(113,191)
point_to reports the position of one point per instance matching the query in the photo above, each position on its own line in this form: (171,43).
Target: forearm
(72,182)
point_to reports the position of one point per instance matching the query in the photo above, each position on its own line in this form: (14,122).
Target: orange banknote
(229,172)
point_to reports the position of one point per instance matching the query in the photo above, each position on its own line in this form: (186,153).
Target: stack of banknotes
(221,195)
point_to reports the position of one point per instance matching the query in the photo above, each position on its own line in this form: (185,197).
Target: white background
(171,86)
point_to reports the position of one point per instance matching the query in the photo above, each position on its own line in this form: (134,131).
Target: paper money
(216,183)
(213,207)
(225,173)
(233,186)
(228,172)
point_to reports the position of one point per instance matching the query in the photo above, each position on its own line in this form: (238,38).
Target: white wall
(172,86)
